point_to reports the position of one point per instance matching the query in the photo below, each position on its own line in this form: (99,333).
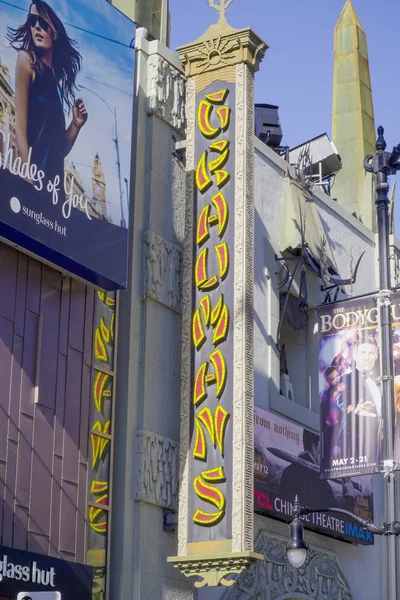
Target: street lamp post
(127,190)
(113,110)
(116,142)
(382,165)
(297,548)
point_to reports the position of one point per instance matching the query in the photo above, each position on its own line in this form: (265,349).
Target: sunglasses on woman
(33,19)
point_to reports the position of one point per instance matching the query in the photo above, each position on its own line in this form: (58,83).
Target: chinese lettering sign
(101,414)
(216,537)
(287,462)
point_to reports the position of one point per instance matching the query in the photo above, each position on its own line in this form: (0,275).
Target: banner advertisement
(350,392)
(31,576)
(287,462)
(66,97)
(396,358)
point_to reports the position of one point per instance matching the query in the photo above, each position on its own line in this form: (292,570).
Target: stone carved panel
(178,199)
(157,473)
(187,311)
(320,578)
(162,271)
(242,493)
(166,92)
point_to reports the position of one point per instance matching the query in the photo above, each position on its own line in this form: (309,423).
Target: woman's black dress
(46,126)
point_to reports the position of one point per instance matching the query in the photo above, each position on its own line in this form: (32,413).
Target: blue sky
(107,71)
(297,71)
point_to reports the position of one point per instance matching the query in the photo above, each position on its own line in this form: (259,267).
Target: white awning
(301,226)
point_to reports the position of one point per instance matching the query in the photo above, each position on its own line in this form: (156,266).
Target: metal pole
(127,191)
(123,222)
(113,110)
(382,167)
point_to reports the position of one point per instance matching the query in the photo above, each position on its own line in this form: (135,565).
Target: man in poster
(350,396)
(396,357)
(361,404)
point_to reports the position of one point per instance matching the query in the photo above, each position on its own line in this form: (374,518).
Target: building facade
(57,340)
(286,385)
(146,467)
(90,442)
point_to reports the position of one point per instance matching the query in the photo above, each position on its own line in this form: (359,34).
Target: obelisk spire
(353,129)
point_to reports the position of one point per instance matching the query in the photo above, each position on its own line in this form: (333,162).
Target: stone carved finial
(221,6)
(221,48)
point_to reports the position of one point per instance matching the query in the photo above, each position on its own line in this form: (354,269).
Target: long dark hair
(66,58)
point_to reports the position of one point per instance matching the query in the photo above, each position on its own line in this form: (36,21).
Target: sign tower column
(216,485)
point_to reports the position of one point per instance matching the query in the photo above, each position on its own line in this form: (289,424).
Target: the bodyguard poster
(66,94)
(350,390)
(287,462)
(350,395)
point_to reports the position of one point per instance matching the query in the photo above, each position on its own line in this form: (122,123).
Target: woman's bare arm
(24,78)
(79,118)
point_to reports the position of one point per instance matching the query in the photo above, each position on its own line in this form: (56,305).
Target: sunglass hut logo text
(32,573)
(37,177)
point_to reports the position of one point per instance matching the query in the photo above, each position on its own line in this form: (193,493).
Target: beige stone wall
(149,352)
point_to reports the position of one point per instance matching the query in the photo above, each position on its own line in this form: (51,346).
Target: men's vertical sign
(215,536)
(210,462)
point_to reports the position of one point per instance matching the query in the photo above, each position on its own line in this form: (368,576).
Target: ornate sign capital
(222,47)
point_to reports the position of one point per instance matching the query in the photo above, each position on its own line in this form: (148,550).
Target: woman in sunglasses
(46,70)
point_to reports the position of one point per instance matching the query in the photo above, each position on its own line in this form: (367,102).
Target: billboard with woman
(66,93)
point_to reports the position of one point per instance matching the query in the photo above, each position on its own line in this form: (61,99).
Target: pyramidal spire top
(349,16)
(353,129)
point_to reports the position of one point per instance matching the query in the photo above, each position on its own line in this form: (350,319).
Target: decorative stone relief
(243,370)
(166,92)
(162,271)
(321,577)
(187,312)
(179,199)
(157,474)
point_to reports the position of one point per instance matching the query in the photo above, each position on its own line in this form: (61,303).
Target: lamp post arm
(365,523)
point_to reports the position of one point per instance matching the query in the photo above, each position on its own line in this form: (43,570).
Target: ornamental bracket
(335,284)
(215,569)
